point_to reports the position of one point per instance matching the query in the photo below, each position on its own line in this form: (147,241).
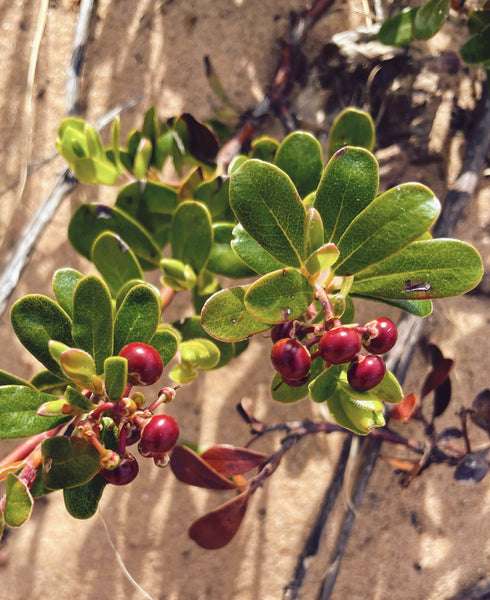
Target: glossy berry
(123,474)
(145,365)
(381,335)
(339,345)
(290,359)
(281,331)
(159,435)
(132,434)
(297,382)
(365,372)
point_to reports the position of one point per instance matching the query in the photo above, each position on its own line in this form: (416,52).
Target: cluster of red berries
(156,435)
(337,346)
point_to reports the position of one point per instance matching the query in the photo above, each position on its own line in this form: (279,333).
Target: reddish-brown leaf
(215,529)
(190,468)
(439,372)
(480,410)
(230,460)
(404,409)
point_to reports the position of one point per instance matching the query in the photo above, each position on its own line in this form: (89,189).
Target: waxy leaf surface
(429,18)
(166,341)
(267,205)
(64,283)
(348,185)
(252,253)
(191,235)
(82,501)
(137,318)
(223,260)
(351,127)
(300,156)
(68,462)
(390,222)
(18,503)
(191,469)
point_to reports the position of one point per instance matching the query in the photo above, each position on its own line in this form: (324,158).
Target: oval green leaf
(82,501)
(137,318)
(191,328)
(225,317)
(348,185)
(18,501)
(252,253)
(267,205)
(397,30)
(351,127)
(166,342)
(429,18)
(191,235)
(223,260)
(390,222)
(300,156)
(115,376)
(64,283)
(68,462)
(279,296)
(36,320)
(92,319)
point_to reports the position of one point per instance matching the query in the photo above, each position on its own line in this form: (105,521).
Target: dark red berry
(123,474)
(159,435)
(145,365)
(281,331)
(132,434)
(380,336)
(297,382)
(290,359)
(365,372)
(339,345)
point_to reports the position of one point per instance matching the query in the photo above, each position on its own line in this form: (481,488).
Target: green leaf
(137,318)
(90,220)
(428,269)
(388,390)
(76,398)
(397,30)
(286,394)
(314,231)
(478,20)
(18,416)
(93,320)
(95,171)
(429,18)
(325,384)
(191,328)
(359,416)
(183,373)
(36,319)
(279,296)
(82,501)
(390,222)
(225,317)
(351,127)
(129,285)
(177,275)
(78,366)
(201,353)
(9,379)
(115,376)
(18,501)
(323,258)
(64,283)
(214,193)
(264,148)
(300,156)
(252,253)
(477,49)
(142,158)
(68,462)
(166,342)
(45,381)
(267,205)
(115,261)
(349,184)
(191,236)
(223,260)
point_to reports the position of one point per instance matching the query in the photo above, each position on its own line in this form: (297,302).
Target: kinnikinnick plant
(303,238)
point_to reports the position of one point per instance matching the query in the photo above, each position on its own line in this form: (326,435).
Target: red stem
(30,444)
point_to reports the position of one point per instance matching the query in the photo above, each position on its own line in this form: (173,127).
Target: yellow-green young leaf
(166,342)
(390,222)
(252,253)
(428,269)
(92,319)
(183,373)
(323,258)
(177,275)
(191,235)
(114,147)
(388,390)
(201,353)
(397,30)
(279,296)
(300,156)
(95,171)
(115,261)
(90,220)
(142,158)
(76,398)
(223,260)
(286,394)
(314,231)
(264,148)
(115,376)
(18,501)
(56,349)
(191,328)
(225,317)
(137,318)
(348,185)
(357,416)
(82,501)
(129,285)
(68,462)
(36,320)
(71,142)
(18,412)
(78,366)
(269,208)
(351,127)
(64,283)
(429,18)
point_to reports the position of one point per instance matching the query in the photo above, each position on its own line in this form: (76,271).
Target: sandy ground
(424,542)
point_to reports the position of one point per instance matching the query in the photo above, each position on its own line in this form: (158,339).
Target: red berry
(281,331)
(290,359)
(132,434)
(159,435)
(145,365)
(297,382)
(380,336)
(339,345)
(123,474)
(365,372)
